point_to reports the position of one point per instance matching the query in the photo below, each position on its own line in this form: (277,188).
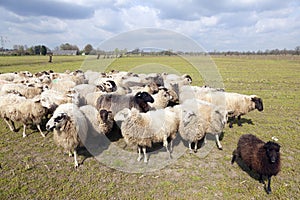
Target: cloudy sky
(214,24)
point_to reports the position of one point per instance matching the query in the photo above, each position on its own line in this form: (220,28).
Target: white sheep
(143,129)
(101,120)
(26,111)
(51,99)
(83,90)
(28,91)
(161,99)
(213,118)
(235,104)
(192,128)
(68,123)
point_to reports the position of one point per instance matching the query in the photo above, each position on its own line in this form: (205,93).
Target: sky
(216,25)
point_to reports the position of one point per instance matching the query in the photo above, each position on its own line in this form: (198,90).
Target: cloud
(50,8)
(222,25)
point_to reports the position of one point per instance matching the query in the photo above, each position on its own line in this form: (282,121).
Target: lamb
(115,102)
(264,158)
(161,99)
(210,119)
(143,129)
(26,111)
(68,123)
(102,119)
(235,104)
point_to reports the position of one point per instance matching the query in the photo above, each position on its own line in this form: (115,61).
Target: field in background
(34,167)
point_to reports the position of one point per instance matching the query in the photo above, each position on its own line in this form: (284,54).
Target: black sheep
(263,158)
(116,102)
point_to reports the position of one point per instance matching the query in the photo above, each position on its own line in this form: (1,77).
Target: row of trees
(89,49)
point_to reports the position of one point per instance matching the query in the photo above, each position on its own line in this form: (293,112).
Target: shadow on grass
(242,121)
(254,175)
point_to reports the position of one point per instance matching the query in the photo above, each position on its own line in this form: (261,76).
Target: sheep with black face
(262,157)
(115,102)
(68,123)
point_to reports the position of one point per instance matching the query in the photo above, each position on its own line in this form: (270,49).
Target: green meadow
(35,168)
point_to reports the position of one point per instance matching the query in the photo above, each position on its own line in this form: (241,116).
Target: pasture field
(35,168)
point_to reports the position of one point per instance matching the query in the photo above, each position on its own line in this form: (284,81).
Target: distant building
(65,52)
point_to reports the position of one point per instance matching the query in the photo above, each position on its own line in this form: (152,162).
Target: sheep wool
(263,158)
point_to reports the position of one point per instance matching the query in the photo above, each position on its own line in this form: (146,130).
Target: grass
(34,168)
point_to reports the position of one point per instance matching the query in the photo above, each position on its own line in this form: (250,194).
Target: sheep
(83,90)
(115,102)
(143,129)
(161,99)
(234,103)
(213,118)
(6,108)
(51,99)
(192,128)
(151,88)
(102,119)
(262,157)
(170,79)
(28,91)
(68,123)
(26,111)
(62,85)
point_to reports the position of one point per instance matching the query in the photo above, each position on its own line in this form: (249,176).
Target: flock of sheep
(148,108)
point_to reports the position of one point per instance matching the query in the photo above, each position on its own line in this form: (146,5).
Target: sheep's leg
(24,130)
(39,128)
(269,185)
(205,141)
(239,120)
(75,159)
(196,147)
(218,142)
(233,157)
(171,146)
(140,154)
(190,147)
(70,154)
(11,127)
(231,122)
(166,145)
(145,155)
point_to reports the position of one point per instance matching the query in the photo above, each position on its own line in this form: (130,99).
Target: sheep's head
(57,121)
(187,116)
(110,86)
(142,99)
(258,103)
(187,78)
(272,151)
(144,96)
(104,114)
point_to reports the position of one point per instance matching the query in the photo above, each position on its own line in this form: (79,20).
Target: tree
(44,50)
(297,50)
(88,48)
(68,46)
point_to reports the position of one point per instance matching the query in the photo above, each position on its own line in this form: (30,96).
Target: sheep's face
(272,151)
(258,103)
(104,115)
(57,121)
(110,86)
(144,96)
(187,116)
